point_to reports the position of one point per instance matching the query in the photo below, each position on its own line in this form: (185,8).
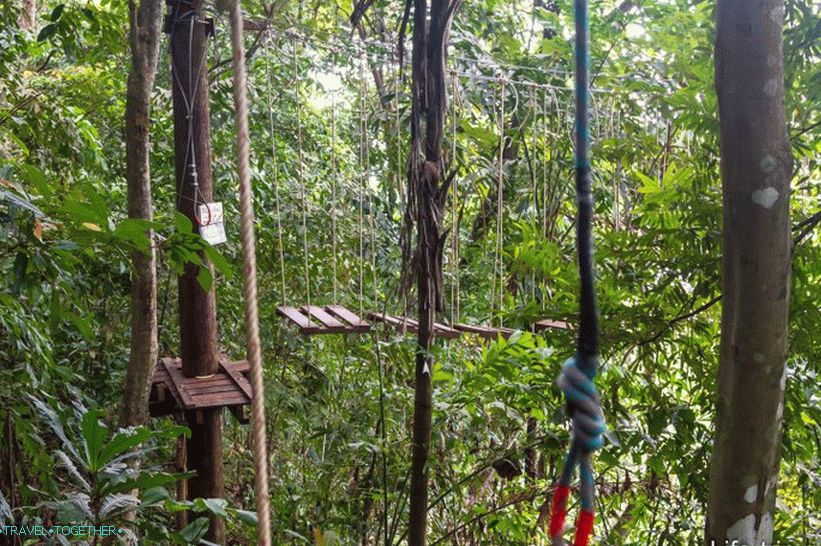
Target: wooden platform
(314,320)
(410,325)
(550,324)
(487,332)
(172,392)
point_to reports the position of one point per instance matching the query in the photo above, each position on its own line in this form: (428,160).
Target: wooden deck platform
(172,392)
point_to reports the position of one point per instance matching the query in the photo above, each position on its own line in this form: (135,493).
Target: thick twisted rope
(249,268)
(576,379)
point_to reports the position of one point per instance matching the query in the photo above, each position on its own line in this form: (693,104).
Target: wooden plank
(295,315)
(177,382)
(410,325)
(237,378)
(242,366)
(402,322)
(165,364)
(220,400)
(546,324)
(331,325)
(483,331)
(226,387)
(487,332)
(357,324)
(440,330)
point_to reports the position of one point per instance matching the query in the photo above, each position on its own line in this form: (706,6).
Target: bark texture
(144,40)
(28,15)
(427,192)
(756,169)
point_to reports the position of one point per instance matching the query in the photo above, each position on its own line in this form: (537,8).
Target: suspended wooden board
(550,324)
(409,325)
(172,392)
(313,320)
(487,332)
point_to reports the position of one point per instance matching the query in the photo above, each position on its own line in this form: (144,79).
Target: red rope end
(559,510)
(584,528)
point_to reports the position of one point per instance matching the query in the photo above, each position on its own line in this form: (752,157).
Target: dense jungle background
(329,124)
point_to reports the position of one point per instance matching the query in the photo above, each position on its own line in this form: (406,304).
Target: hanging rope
(366,188)
(498,261)
(275,155)
(577,375)
(455,272)
(333,183)
(362,177)
(303,198)
(250,278)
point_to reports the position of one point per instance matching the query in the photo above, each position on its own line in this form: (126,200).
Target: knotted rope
(250,277)
(578,372)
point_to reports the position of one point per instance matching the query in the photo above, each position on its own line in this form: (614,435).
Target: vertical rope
(361,216)
(499,265)
(275,155)
(250,279)
(454,291)
(400,173)
(544,162)
(334,175)
(578,372)
(367,180)
(302,193)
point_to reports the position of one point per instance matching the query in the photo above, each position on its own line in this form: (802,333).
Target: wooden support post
(188,28)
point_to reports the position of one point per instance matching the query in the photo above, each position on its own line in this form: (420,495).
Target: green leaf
(154,496)
(214,506)
(204,278)
(94,435)
(57,12)
(248,518)
(122,442)
(195,530)
(146,480)
(47,32)
(219,261)
(85,213)
(182,223)
(135,231)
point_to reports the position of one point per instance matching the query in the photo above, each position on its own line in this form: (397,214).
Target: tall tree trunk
(189,27)
(756,168)
(427,192)
(144,33)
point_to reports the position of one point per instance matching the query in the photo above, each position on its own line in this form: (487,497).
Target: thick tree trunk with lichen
(144,40)
(427,192)
(756,168)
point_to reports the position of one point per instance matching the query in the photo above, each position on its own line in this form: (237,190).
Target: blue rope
(578,372)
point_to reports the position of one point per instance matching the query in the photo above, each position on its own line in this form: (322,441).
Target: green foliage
(66,242)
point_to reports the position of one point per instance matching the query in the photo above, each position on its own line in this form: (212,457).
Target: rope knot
(583,403)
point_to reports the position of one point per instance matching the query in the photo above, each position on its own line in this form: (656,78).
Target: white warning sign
(212,226)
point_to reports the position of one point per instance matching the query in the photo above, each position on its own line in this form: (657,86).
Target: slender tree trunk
(756,168)
(144,33)
(427,192)
(28,15)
